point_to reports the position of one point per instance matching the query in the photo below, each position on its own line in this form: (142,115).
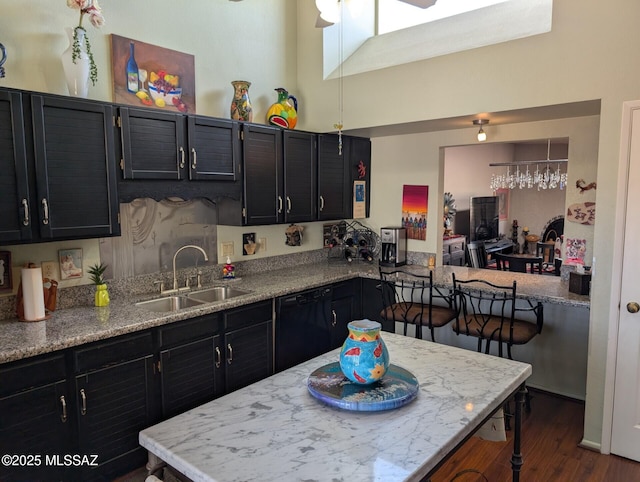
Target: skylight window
(394,15)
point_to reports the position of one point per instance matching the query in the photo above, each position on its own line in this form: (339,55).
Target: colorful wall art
(414,211)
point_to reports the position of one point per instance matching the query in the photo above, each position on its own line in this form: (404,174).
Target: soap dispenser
(229,270)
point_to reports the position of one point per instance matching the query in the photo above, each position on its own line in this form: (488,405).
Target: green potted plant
(96,273)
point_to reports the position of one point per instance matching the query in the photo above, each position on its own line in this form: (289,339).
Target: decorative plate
(396,388)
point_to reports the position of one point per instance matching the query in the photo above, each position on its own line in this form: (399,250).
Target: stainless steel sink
(169,303)
(218,293)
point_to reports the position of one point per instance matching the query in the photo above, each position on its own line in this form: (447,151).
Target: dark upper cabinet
(163,145)
(333,178)
(15,222)
(58,153)
(153,144)
(214,149)
(75,168)
(300,165)
(262,175)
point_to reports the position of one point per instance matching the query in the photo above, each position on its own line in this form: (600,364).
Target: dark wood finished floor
(550,437)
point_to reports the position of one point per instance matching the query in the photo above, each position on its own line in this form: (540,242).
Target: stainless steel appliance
(394,246)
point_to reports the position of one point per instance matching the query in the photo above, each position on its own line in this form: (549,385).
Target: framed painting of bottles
(146,75)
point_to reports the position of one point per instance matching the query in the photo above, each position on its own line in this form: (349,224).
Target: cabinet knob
(633,307)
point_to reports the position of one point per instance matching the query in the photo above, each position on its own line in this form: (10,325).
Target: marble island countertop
(275,430)
(84,324)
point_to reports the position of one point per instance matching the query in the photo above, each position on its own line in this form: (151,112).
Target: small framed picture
(5,271)
(70,263)
(248,243)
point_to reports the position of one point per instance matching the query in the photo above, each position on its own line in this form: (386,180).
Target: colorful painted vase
(284,113)
(364,358)
(241,105)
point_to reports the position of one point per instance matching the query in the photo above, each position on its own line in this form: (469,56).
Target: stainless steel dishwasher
(303,326)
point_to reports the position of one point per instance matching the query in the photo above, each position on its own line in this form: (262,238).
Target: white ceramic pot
(77,74)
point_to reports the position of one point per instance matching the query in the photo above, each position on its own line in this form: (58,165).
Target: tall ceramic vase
(77,74)
(364,358)
(241,105)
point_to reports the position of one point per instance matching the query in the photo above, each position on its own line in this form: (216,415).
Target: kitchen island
(275,430)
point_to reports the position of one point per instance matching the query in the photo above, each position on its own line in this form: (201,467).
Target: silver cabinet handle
(279,204)
(230,351)
(288,204)
(321,203)
(195,157)
(63,415)
(83,396)
(25,216)
(334,321)
(45,208)
(218,357)
(181,157)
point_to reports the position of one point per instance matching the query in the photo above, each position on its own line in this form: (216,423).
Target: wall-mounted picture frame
(70,263)
(248,244)
(146,75)
(6,283)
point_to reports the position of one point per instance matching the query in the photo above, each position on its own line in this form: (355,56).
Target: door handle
(321,203)
(83,396)
(288,204)
(279,204)
(181,159)
(195,158)
(334,320)
(633,307)
(25,218)
(218,357)
(45,210)
(63,415)
(230,351)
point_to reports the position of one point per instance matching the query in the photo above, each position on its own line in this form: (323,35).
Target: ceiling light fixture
(482,135)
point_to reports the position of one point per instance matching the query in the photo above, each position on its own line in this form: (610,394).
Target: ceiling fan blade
(420,3)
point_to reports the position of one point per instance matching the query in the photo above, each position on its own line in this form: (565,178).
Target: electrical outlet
(262,244)
(49,270)
(226,248)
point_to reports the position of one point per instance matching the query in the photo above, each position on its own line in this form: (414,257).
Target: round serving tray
(396,388)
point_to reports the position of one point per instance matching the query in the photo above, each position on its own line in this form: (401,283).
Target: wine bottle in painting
(132,71)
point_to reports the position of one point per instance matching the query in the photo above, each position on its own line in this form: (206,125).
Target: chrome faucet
(175,279)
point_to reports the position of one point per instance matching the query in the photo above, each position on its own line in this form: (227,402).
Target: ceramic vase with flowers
(77,60)
(96,274)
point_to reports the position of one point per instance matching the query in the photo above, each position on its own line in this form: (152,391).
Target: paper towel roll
(33,294)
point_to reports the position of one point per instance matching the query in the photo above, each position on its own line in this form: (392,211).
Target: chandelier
(524,177)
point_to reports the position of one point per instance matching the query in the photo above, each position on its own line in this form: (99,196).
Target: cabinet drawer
(189,330)
(248,315)
(456,247)
(21,375)
(108,353)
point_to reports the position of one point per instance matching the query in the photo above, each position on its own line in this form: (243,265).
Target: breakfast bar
(275,430)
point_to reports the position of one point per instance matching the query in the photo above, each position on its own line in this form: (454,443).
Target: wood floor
(550,437)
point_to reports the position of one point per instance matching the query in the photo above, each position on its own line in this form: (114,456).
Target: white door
(625,435)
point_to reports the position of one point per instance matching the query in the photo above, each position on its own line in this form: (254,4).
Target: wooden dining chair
(414,300)
(519,264)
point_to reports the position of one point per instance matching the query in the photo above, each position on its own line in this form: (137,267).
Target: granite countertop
(84,324)
(293,436)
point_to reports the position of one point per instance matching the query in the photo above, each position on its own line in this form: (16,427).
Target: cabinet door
(248,345)
(75,168)
(188,375)
(333,175)
(113,405)
(262,170)
(153,144)
(214,149)
(300,165)
(35,416)
(15,222)
(372,302)
(249,355)
(345,307)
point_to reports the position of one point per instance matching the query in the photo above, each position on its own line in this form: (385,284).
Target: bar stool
(413,300)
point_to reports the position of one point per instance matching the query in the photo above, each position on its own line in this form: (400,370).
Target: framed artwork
(414,211)
(150,76)
(503,203)
(359,199)
(70,263)
(248,243)
(5,271)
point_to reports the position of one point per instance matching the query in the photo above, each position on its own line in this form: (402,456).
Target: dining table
(280,429)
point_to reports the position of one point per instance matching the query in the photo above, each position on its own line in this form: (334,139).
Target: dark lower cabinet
(248,345)
(345,307)
(372,303)
(35,418)
(114,400)
(190,361)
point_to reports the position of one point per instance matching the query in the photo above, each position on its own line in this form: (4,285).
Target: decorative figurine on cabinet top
(241,105)
(284,112)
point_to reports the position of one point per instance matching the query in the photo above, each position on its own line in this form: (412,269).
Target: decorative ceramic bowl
(174,93)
